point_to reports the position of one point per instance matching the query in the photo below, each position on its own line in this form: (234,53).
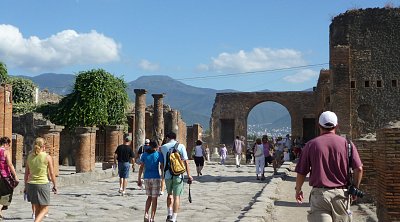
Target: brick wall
(366,148)
(388,170)
(5,110)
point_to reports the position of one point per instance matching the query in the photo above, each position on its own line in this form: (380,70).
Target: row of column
(85,152)
(140,116)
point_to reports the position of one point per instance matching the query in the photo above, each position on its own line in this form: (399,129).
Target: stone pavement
(224,193)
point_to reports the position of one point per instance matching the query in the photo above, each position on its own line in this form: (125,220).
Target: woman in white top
(259,158)
(199,157)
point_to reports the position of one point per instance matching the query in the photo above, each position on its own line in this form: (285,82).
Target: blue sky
(231,44)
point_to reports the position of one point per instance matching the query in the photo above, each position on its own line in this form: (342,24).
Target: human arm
(299,183)
(139,182)
(10,165)
(358,172)
(51,172)
(190,178)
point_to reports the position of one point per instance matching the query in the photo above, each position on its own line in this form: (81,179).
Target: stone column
(17,151)
(85,153)
(140,117)
(158,120)
(174,121)
(51,134)
(114,137)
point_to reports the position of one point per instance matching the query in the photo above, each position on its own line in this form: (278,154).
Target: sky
(248,46)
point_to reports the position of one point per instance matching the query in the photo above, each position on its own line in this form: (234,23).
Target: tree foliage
(98,98)
(22,90)
(3,73)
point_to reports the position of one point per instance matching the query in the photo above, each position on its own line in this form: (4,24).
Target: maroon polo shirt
(325,158)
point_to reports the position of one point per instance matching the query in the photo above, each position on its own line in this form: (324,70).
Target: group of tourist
(153,171)
(38,170)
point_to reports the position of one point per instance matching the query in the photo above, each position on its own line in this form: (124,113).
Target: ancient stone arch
(230,112)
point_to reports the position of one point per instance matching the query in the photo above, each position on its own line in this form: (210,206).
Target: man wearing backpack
(174,183)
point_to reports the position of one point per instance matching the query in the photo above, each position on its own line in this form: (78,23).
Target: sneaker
(120,190)
(33,216)
(46,215)
(169,218)
(123,193)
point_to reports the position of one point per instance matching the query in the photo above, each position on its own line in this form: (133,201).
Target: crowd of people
(156,172)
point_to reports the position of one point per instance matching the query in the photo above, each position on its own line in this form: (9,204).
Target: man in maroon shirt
(326,159)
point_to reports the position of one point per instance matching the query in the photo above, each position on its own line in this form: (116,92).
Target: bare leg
(147,207)
(40,211)
(170,201)
(120,183)
(153,207)
(125,183)
(176,204)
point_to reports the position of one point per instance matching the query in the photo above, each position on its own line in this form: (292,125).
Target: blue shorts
(123,169)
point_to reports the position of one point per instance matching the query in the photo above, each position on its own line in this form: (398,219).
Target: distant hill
(61,84)
(194,103)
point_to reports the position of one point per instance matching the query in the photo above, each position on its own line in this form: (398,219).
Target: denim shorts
(123,169)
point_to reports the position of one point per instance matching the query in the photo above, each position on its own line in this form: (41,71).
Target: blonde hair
(39,143)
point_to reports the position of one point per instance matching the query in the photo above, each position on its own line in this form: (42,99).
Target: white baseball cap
(328,120)
(147,141)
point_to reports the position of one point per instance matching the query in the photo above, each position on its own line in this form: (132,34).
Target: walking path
(224,193)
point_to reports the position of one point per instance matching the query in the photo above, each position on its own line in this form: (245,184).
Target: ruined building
(361,85)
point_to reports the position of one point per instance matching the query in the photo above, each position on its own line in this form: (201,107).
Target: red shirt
(325,158)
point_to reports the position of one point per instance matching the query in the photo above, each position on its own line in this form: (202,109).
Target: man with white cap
(326,159)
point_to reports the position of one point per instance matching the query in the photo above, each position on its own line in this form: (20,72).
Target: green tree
(23,90)
(3,73)
(98,99)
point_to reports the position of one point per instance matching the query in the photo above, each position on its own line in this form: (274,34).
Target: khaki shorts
(328,205)
(174,186)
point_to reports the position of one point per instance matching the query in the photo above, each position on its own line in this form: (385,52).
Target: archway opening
(268,118)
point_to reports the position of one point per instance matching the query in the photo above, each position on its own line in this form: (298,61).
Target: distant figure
(326,159)
(124,155)
(38,169)
(260,159)
(141,150)
(223,153)
(199,154)
(267,152)
(249,155)
(151,161)
(207,152)
(7,170)
(238,145)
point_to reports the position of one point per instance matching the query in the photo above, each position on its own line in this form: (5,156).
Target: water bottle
(25,196)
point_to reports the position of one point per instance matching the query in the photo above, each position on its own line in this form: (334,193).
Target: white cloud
(148,66)
(59,50)
(256,60)
(301,76)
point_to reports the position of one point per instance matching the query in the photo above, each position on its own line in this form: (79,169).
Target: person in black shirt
(124,155)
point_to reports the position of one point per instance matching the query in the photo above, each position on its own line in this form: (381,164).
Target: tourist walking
(223,153)
(124,154)
(267,153)
(207,152)
(238,146)
(199,154)
(326,159)
(259,158)
(38,169)
(141,150)
(174,184)
(151,163)
(7,170)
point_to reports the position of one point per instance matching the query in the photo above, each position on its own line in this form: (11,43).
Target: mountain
(194,103)
(60,84)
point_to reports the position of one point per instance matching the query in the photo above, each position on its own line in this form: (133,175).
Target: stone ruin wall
(365,65)
(6,110)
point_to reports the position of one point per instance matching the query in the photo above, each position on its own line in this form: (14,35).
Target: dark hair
(198,142)
(171,135)
(4,140)
(153,147)
(258,141)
